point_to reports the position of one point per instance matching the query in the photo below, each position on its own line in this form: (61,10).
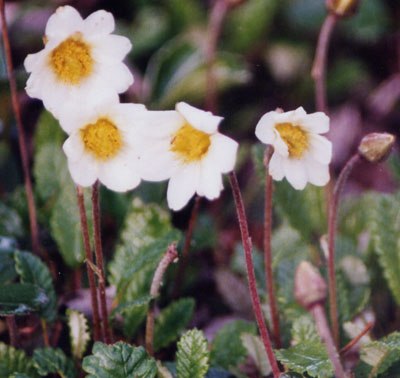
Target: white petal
(120,173)
(320,148)
(276,167)
(73,147)
(265,128)
(199,119)
(116,76)
(315,122)
(318,174)
(110,48)
(35,62)
(99,23)
(295,172)
(182,186)
(63,22)
(160,125)
(210,182)
(85,171)
(279,145)
(222,153)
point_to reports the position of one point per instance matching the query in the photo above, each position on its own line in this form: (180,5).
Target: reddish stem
(267,250)
(186,246)
(217,16)
(167,259)
(250,273)
(325,334)
(357,338)
(89,262)
(13,331)
(45,333)
(319,67)
(333,208)
(21,135)
(99,261)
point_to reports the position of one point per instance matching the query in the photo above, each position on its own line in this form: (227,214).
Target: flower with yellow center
(301,154)
(81,63)
(185,147)
(104,145)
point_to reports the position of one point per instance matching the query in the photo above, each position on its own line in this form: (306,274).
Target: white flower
(81,63)
(300,153)
(104,145)
(187,149)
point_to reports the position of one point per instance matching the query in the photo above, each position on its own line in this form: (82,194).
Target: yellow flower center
(71,60)
(190,144)
(294,137)
(102,139)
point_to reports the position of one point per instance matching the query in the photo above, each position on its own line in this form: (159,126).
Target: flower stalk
(250,273)
(170,255)
(186,246)
(89,263)
(21,136)
(333,208)
(45,332)
(13,331)
(267,249)
(100,262)
(353,342)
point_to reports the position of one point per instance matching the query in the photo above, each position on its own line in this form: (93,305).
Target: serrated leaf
(304,330)
(79,333)
(382,354)
(119,360)
(48,360)
(256,350)
(34,271)
(227,347)
(192,355)
(307,357)
(10,222)
(163,371)
(127,306)
(14,361)
(386,237)
(171,321)
(21,298)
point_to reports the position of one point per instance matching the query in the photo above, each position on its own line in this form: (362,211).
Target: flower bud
(342,8)
(309,286)
(375,147)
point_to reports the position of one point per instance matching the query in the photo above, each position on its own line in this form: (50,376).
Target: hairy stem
(250,273)
(267,250)
(325,334)
(13,331)
(21,136)
(89,263)
(217,16)
(319,67)
(333,208)
(186,246)
(167,259)
(99,261)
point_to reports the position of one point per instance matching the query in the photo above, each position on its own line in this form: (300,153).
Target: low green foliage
(14,362)
(79,334)
(49,360)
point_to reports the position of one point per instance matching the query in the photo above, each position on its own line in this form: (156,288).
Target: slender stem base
(267,250)
(89,263)
(186,246)
(325,334)
(99,262)
(251,275)
(45,333)
(21,136)
(319,66)
(13,331)
(167,259)
(331,243)
(357,338)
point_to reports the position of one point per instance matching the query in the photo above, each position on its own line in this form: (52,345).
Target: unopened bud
(375,147)
(342,8)
(309,286)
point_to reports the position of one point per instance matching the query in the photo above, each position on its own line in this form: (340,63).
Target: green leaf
(21,298)
(48,130)
(307,357)
(48,360)
(304,330)
(10,222)
(7,264)
(192,355)
(227,347)
(14,361)
(171,321)
(386,237)
(382,354)
(65,226)
(256,350)
(128,306)
(34,271)
(79,333)
(119,360)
